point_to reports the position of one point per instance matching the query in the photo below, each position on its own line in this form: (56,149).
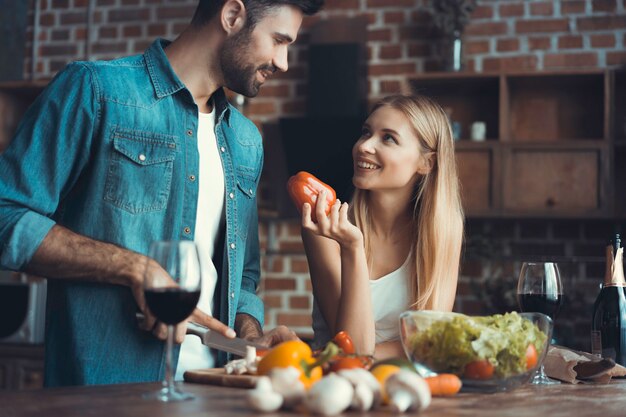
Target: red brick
(47,19)
(525,62)
(536,43)
(486,29)
(383,35)
(291,247)
(293,107)
(299,265)
(341,4)
(281,90)
(60,35)
(291,230)
(58,50)
(483,12)
(394,17)
(82,3)
(601,23)
(295,72)
(603,41)
(133,31)
(60,4)
(174,12)
(301,302)
(107,32)
(572,7)
(413,32)
(421,16)
(511,10)
(542,25)
(80,33)
(278,283)
(391,69)
(616,58)
(476,47)
(293,319)
(273,301)
(308,285)
(419,49)
(129,15)
(117,48)
(156,30)
(507,45)
(390,87)
(603,6)
(588,59)
(261,107)
(72,18)
(570,42)
(541,9)
(391,52)
(130,2)
(370,18)
(387,4)
(277,264)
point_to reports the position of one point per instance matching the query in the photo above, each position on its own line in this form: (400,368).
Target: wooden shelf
(552,140)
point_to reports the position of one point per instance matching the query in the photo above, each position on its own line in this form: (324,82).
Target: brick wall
(502,35)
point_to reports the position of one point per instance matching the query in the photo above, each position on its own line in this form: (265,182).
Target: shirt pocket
(246,202)
(139,177)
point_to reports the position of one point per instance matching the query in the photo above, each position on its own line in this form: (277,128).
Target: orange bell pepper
(304,188)
(293,353)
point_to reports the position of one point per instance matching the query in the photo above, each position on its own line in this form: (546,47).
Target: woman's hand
(335,226)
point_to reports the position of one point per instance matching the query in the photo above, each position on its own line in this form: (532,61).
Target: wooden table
(125,400)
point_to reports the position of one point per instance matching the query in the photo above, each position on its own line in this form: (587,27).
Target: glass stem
(168,383)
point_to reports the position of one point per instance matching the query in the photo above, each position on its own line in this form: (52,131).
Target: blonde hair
(437,226)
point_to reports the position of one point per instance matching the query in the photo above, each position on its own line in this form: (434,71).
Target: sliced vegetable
(304,188)
(444,384)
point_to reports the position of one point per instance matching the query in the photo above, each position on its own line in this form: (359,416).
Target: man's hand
(249,328)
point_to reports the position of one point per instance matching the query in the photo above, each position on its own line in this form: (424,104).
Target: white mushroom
(407,391)
(263,397)
(329,396)
(367,392)
(286,382)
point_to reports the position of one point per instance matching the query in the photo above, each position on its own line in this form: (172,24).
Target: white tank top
(209,224)
(390,297)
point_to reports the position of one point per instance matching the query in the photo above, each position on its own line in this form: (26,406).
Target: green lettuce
(449,345)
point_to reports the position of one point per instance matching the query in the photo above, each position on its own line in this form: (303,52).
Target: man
(112,156)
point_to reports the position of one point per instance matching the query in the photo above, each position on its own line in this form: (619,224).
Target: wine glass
(539,290)
(172,290)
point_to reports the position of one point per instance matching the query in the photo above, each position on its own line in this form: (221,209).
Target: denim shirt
(109,151)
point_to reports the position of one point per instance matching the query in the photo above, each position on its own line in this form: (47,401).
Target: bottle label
(596,343)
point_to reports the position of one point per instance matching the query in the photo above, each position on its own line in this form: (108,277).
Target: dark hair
(256,10)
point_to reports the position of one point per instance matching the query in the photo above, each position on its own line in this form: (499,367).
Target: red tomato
(304,188)
(344,341)
(478,370)
(531,356)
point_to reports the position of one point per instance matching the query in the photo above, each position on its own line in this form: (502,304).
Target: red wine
(608,323)
(171,305)
(548,304)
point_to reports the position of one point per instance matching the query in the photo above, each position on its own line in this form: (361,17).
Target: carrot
(444,384)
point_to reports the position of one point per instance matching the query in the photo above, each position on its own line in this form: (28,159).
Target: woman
(397,246)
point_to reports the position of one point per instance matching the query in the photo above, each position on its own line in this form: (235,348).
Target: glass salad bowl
(489,353)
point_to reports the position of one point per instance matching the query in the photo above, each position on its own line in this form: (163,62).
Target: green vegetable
(449,345)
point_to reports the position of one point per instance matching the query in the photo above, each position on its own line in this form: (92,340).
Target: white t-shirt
(390,297)
(209,224)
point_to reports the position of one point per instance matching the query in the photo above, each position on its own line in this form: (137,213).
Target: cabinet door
(559,181)
(475,172)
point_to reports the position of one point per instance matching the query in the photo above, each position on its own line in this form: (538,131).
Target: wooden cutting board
(217,376)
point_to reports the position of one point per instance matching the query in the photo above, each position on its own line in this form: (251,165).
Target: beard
(240,74)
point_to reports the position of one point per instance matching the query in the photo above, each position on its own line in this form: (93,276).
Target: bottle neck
(614,276)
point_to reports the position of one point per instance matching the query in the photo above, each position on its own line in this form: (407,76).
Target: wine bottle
(608,324)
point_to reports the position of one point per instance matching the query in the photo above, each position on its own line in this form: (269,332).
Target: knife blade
(218,341)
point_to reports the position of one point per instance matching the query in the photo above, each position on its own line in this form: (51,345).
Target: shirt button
(223,149)
(250,191)
(187,230)
(189,132)
(232,295)
(231,195)
(192,178)
(232,246)
(142,157)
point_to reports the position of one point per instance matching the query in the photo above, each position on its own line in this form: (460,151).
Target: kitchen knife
(218,341)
